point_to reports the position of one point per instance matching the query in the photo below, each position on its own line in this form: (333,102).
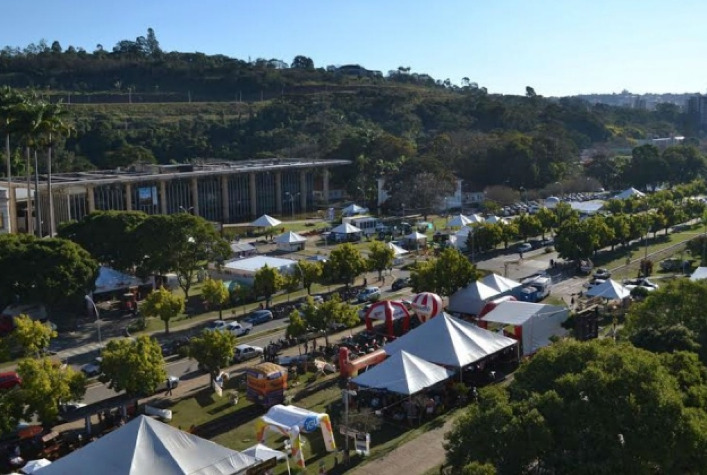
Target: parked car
(172,347)
(246,352)
(9,380)
(401,283)
(292,360)
(238,329)
(602,273)
(217,325)
(524,247)
(369,294)
(93,368)
(258,317)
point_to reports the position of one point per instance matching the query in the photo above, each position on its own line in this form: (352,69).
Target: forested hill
(138,103)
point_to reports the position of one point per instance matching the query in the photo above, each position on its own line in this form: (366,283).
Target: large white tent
(290,241)
(699,274)
(266,221)
(145,445)
(534,323)
(397,250)
(472,298)
(476,219)
(403,373)
(111,280)
(449,341)
(504,285)
(458,221)
(346,228)
(629,193)
(353,210)
(610,290)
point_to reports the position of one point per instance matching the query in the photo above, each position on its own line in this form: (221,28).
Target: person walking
(169,387)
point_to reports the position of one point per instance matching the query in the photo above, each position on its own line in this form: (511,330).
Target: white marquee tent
(629,193)
(290,241)
(403,373)
(145,445)
(472,298)
(456,343)
(346,228)
(111,280)
(266,221)
(458,221)
(534,323)
(353,210)
(504,285)
(610,290)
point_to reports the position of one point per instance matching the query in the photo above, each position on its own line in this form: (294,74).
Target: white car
(246,352)
(217,325)
(238,329)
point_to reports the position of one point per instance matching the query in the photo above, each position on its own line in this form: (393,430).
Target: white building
(244,270)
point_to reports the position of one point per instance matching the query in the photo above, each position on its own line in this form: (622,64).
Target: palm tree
(10,101)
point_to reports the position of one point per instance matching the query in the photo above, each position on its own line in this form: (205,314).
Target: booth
(472,298)
(290,242)
(403,373)
(266,384)
(389,311)
(291,421)
(426,305)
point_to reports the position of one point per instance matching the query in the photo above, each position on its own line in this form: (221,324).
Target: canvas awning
(111,280)
(353,209)
(263,452)
(266,221)
(403,373)
(415,236)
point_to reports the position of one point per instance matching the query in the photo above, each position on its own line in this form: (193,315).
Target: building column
(163,198)
(325,186)
(303,190)
(129,196)
(90,198)
(278,192)
(225,205)
(253,195)
(195,195)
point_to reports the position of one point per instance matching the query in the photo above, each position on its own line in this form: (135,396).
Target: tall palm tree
(10,101)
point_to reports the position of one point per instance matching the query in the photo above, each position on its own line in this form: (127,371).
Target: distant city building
(661,142)
(697,111)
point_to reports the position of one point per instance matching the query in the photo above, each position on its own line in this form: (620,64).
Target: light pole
(522,192)
(292,202)
(98,319)
(189,210)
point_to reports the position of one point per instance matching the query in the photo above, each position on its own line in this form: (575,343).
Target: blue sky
(558,47)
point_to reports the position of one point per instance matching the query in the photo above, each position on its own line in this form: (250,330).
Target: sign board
(262,467)
(347,431)
(363,443)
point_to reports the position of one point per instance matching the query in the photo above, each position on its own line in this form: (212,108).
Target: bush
(549,249)
(646,267)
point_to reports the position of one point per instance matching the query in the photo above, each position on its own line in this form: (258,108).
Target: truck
(535,288)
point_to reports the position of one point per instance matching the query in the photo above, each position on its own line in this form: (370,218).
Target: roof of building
(242,247)
(252,264)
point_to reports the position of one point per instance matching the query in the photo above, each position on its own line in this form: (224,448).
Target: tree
(135,366)
(485,236)
(215,294)
(302,62)
(189,244)
(267,282)
(310,273)
(329,314)
(592,407)
(509,232)
(32,336)
(213,350)
(444,275)
(344,265)
(380,257)
(547,220)
(528,225)
(297,326)
(291,282)
(109,236)
(11,409)
(46,384)
(163,304)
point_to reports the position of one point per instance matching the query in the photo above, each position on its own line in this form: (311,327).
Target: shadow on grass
(223,424)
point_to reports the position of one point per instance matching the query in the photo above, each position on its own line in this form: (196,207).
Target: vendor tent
(34,465)
(110,280)
(610,290)
(353,210)
(266,221)
(458,221)
(699,274)
(449,341)
(534,324)
(397,250)
(472,298)
(263,452)
(415,236)
(290,421)
(464,231)
(403,373)
(346,228)
(290,241)
(504,285)
(629,193)
(145,445)
(476,219)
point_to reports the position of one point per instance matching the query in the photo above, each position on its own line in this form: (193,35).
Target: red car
(9,380)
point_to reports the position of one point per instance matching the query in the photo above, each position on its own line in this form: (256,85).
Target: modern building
(223,192)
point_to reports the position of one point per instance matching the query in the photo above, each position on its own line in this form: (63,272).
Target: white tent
(290,241)
(346,228)
(629,193)
(493,219)
(458,221)
(535,323)
(397,250)
(111,280)
(464,231)
(699,274)
(502,284)
(551,202)
(476,219)
(403,373)
(449,341)
(353,210)
(472,298)
(610,290)
(415,236)
(34,465)
(263,452)
(266,221)
(145,445)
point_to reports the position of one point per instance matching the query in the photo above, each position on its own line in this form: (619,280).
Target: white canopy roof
(263,452)
(34,465)
(493,219)
(289,237)
(353,209)
(449,341)
(458,221)
(110,280)
(346,228)
(464,231)
(397,250)
(476,219)
(628,193)
(610,290)
(415,236)
(266,221)
(500,283)
(403,373)
(145,445)
(472,298)
(699,274)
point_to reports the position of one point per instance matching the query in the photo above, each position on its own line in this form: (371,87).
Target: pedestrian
(365,281)
(306,347)
(521,254)
(572,302)
(169,387)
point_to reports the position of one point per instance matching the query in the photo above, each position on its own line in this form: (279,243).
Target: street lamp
(186,210)
(98,319)
(523,192)
(292,202)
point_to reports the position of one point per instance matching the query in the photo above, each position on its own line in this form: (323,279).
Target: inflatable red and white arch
(388,311)
(426,305)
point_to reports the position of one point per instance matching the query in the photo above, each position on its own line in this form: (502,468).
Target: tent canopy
(34,465)
(476,219)
(266,221)
(464,231)
(403,373)
(456,343)
(353,210)
(263,452)
(458,221)
(699,274)
(110,280)
(145,445)
(610,290)
(289,237)
(415,236)
(500,283)
(397,250)
(472,298)
(628,193)
(346,228)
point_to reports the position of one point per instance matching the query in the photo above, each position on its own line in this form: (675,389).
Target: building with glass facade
(224,192)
